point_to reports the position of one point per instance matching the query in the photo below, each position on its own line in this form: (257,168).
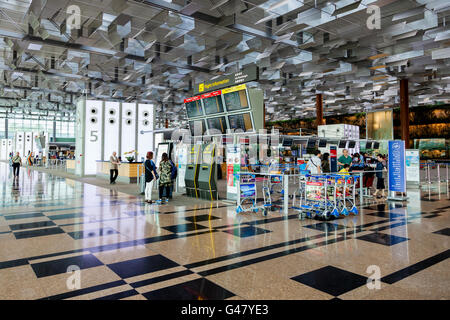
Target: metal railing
(434,172)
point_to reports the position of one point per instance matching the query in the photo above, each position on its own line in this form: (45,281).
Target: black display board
(194,109)
(236,100)
(240,121)
(213,105)
(217,123)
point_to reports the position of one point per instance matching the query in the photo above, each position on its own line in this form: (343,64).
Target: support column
(319,109)
(404,111)
(166,125)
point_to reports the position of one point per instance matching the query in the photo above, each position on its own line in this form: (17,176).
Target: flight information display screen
(212,102)
(193,107)
(240,121)
(218,123)
(197,127)
(236,100)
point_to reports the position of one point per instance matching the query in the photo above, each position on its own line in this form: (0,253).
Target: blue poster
(396,166)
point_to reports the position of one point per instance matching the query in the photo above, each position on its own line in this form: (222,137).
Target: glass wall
(64,129)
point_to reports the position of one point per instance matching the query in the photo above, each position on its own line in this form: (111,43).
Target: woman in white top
(314,164)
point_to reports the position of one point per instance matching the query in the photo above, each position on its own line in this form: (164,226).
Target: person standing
(16,163)
(165,181)
(30,159)
(150,176)
(314,164)
(173,177)
(379,174)
(325,162)
(113,168)
(344,159)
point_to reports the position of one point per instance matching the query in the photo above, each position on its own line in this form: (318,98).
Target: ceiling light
(34,46)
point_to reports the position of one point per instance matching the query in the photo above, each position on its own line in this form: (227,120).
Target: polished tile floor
(125,249)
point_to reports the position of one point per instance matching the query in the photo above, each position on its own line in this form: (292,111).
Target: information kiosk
(207,184)
(192,171)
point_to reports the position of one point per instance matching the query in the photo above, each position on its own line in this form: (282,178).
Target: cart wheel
(264,212)
(255,210)
(326,215)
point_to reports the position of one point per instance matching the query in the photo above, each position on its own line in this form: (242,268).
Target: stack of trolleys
(326,196)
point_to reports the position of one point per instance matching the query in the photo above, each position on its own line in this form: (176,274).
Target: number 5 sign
(93,141)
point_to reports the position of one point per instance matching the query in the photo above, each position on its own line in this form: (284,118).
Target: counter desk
(128,171)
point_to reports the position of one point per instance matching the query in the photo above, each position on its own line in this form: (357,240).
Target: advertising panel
(396,166)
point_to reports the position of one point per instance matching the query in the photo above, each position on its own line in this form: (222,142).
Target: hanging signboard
(245,75)
(396,166)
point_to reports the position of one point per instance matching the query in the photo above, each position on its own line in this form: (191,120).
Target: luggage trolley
(247,192)
(326,196)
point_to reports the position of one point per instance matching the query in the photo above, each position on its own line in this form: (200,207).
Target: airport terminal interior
(224,150)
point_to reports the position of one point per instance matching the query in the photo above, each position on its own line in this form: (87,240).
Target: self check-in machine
(207,184)
(192,171)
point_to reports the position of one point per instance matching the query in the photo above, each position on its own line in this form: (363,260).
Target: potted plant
(130,155)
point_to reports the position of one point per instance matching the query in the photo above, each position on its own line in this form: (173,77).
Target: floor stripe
(417,267)
(161,278)
(269,257)
(80,292)
(119,295)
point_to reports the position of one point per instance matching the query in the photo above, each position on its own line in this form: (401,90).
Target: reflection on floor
(64,239)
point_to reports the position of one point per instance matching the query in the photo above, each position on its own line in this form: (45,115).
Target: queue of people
(165,174)
(372,168)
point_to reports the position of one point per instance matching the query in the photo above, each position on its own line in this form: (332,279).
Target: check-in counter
(70,165)
(128,171)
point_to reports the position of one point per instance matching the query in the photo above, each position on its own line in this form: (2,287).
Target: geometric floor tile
(37,233)
(202,217)
(445,231)
(50,268)
(198,289)
(135,267)
(24,216)
(382,238)
(331,280)
(184,227)
(325,227)
(244,232)
(31,225)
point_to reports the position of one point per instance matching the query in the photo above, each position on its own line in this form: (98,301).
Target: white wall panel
(28,143)
(146,116)
(10,147)
(19,146)
(4,149)
(111,131)
(93,136)
(128,134)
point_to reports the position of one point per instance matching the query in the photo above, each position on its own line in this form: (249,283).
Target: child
(344,170)
(379,173)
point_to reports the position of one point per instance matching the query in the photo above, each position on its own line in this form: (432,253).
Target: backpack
(174,171)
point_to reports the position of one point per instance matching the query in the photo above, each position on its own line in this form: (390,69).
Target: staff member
(113,168)
(345,159)
(16,163)
(150,176)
